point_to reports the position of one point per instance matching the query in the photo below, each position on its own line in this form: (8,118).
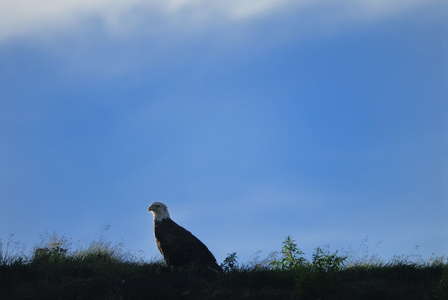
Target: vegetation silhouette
(107,271)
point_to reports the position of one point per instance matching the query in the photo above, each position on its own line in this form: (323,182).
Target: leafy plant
(315,278)
(292,256)
(321,275)
(324,261)
(230,262)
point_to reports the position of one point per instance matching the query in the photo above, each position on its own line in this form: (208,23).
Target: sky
(252,120)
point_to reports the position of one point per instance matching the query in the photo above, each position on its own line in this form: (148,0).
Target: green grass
(106,271)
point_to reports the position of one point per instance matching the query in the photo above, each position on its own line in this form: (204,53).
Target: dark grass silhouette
(106,271)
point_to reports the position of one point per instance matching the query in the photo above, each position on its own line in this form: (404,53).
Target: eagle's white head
(159,211)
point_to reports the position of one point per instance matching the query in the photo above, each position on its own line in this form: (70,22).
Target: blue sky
(252,120)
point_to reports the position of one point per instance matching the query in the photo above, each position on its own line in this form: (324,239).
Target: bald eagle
(176,244)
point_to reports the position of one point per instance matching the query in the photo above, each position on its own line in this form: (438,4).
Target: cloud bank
(20,18)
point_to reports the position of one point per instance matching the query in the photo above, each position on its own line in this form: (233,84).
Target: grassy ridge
(105,271)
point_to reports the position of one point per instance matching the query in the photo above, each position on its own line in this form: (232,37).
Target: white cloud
(29,17)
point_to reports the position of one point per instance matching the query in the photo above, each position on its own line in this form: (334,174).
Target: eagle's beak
(150,208)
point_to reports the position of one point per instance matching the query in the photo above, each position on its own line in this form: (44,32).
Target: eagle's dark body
(179,247)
